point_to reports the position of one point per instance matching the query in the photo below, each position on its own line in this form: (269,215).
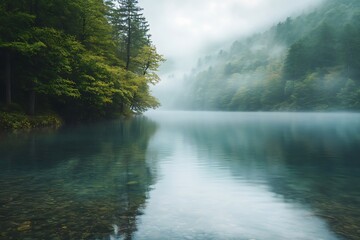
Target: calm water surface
(186,175)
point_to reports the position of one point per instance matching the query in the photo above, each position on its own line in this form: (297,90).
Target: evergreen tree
(131,29)
(351,51)
(323,53)
(316,61)
(296,62)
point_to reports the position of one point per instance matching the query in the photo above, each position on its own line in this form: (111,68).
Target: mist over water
(250,175)
(186,175)
(230,169)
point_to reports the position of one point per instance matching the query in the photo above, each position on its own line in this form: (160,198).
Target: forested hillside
(311,62)
(81,59)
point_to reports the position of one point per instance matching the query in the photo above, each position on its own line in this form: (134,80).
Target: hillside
(311,62)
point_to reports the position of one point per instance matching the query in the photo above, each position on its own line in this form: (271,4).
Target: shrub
(17,121)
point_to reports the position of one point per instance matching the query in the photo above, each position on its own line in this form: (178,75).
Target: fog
(184,30)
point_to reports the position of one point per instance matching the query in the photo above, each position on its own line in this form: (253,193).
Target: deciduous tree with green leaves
(80,58)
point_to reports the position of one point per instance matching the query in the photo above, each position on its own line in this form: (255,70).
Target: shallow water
(186,175)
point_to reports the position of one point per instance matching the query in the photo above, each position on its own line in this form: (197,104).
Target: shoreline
(14,121)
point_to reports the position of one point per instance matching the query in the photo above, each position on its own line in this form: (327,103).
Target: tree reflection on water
(76,183)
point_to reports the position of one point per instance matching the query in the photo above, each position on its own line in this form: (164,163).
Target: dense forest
(309,62)
(78,59)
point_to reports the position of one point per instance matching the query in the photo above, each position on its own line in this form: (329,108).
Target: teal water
(185,175)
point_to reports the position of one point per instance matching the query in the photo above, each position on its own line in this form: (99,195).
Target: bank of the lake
(11,121)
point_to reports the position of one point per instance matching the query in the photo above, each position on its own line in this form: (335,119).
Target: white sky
(185,30)
(181,28)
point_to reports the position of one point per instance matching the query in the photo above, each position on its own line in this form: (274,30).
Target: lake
(185,175)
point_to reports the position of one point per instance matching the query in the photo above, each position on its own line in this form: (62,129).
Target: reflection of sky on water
(199,197)
(185,175)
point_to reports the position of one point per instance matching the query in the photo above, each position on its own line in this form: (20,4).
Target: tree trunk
(32,103)
(128,45)
(8,79)
(83,31)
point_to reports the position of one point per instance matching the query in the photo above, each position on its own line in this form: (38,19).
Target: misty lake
(185,175)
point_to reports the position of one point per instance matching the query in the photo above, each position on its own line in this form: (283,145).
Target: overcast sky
(183,27)
(184,30)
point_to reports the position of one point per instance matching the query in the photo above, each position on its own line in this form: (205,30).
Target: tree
(14,26)
(322,50)
(131,29)
(284,32)
(147,63)
(78,58)
(350,47)
(49,68)
(349,95)
(296,62)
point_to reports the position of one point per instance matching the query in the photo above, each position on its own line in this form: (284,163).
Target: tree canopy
(310,62)
(82,58)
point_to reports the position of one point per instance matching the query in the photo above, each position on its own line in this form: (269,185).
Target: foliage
(16,121)
(130,29)
(83,59)
(310,62)
(349,95)
(44,121)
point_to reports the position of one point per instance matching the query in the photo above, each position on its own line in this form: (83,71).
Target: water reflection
(211,175)
(77,183)
(255,175)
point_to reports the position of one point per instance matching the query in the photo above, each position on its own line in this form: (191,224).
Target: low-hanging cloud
(183,27)
(184,30)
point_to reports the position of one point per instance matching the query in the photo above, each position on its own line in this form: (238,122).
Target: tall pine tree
(131,29)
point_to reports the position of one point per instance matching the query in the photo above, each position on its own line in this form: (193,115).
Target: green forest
(78,60)
(306,63)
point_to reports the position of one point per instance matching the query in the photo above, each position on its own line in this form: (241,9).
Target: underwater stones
(132,183)
(25,226)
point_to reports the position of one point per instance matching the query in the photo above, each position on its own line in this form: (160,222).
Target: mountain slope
(311,62)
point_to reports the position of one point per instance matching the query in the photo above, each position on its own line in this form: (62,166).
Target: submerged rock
(132,183)
(25,226)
